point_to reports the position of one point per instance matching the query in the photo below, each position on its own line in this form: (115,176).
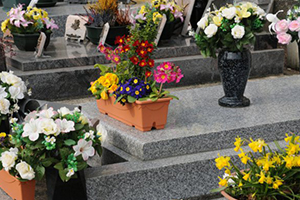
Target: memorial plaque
(160,28)
(40,45)
(104,33)
(75,28)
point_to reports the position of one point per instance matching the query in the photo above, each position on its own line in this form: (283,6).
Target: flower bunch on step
(62,139)
(231,27)
(27,21)
(169,8)
(262,172)
(286,30)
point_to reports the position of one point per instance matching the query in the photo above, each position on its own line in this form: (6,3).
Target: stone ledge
(197,123)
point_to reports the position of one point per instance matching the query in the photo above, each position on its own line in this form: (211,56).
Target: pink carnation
(284,38)
(282,26)
(294,26)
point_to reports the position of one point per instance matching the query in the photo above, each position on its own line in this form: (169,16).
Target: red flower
(144,44)
(148,73)
(142,52)
(101,48)
(143,63)
(128,38)
(120,40)
(134,60)
(151,62)
(150,48)
(136,43)
(126,48)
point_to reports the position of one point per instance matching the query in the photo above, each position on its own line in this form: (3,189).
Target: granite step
(196,123)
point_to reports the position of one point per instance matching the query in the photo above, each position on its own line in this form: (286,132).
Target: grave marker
(40,46)
(75,28)
(160,28)
(187,13)
(104,33)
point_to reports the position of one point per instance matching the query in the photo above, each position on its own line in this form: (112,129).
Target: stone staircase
(178,161)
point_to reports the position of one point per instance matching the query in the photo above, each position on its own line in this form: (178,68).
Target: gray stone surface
(196,123)
(63,54)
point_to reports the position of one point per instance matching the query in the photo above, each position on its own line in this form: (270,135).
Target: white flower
(8,158)
(237,19)
(32,130)
(238,32)
(84,148)
(4,106)
(260,12)
(31,115)
(65,126)
(89,134)
(101,132)
(203,22)
(84,119)
(17,87)
(229,13)
(70,173)
(13,120)
(230,180)
(192,33)
(211,30)
(76,109)
(51,140)
(3,94)
(48,127)
(64,111)
(47,113)
(16,92)
(16,108)
(25,171)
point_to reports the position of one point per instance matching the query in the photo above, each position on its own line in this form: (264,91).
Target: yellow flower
(217,20)
(227,171)
(289,161)
(35,13)
(106,83)
(276,159)
(4,25)
(257,145)
(238,143)
(269,180)
(262,177)
(245,159)
(243,13)
(240,184)
(143,9)
(222,162)
(277,183)
(292,149)
(2,134)
(115,78)
(101,79)
(288,138)
(246,176)
(156,17)
(223,182)
(104,95)
(113,87)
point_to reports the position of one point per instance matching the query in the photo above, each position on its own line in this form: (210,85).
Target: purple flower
(166,7)
(140,16)
(50,24)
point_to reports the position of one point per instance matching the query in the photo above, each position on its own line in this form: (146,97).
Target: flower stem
(160,89)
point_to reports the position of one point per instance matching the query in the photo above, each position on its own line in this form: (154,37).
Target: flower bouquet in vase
(231,28)
(60,144)
(265,173)
(126,90)
(26,26)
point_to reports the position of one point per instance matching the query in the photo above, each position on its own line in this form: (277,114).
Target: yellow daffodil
(277,183)
(104,95)
(269,180)
(257,145)
(227,171)
(238,143)
(289,161)
(223,182)
(262,177)
(246,176)
(276,159)
(222,162)
(245,159)
(288,138)
(240,184)
(292,149)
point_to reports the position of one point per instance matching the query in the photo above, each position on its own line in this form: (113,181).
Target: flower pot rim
(15,178)
(227,196)
(150,101)
(98,27)
(25,34)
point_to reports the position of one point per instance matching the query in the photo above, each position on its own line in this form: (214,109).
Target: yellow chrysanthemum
(222,161)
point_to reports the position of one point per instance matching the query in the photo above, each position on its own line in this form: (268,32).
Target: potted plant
(126,91)
(26,25)
(265,173)
(173,12)
(106,11)
(61,142)
(231,28)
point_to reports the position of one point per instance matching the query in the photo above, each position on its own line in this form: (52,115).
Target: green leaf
(64,152)
(154,99)
(48,162)
(81,165)
(144,99)
(131,99)
(217,190)
(79,127)
(69,142)
(172,96)
(39,172)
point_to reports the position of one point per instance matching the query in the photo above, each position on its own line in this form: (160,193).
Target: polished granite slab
(63,53)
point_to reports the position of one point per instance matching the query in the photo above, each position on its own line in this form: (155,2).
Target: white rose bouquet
(62,139)
(231,27)
(12,89)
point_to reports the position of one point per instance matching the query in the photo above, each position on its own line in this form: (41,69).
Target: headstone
(104,33)
(40,45)
(187,13)
(160,28)
(75,28)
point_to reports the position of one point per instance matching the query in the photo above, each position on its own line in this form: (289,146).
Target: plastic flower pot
(26,42)
(46,3)
(93,33)
(8,4)
(143,115)
(168,30)
(16,189)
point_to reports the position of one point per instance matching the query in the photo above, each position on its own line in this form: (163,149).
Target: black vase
(5,126)
(234,68)
(74,189)
(28,42)
(168,30)
(46,3)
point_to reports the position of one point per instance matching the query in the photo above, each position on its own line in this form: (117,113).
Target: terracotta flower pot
(227,196)
(143,115)
(16,189)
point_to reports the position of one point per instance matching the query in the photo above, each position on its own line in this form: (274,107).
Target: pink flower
(84,148)
(101,48)
(16,16)
(50,24)
(116,59)
(178,14)
(171,77)
(165,66)
(282,26)
(166,7)
(179,76)
(140,16)
(294,26)
(284,38)
(160,77)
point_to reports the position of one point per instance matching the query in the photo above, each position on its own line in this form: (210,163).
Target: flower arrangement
(132,73)
(62,139)
(231,27)
(168,7)
(32,20)
(106,11)
(12,89)
(266,174)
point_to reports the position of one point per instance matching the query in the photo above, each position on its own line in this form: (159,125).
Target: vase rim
(23,34)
